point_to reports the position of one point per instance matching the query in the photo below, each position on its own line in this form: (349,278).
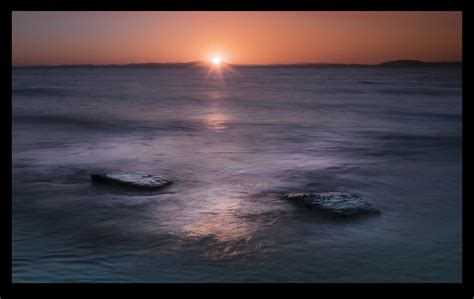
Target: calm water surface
(231,144)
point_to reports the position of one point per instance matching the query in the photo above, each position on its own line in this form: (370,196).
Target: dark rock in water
(335,203)
(135,181)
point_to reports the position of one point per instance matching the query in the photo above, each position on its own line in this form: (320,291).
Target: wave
(61,120)
(428,92)
(393,144)
(114,124)
(39,91)
(371,82)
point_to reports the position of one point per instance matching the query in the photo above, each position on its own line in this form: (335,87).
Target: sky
(55,38)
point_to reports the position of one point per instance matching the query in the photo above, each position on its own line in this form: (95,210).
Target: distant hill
(299,65)
(167,64)
(416,63)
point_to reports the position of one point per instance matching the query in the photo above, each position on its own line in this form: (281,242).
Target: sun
(216,60)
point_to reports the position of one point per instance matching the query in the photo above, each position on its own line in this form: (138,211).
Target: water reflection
(218,71)
(216,121)
(225,236)
(215,95)
(221,228)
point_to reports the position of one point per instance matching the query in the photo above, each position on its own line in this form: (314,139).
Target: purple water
(232,144)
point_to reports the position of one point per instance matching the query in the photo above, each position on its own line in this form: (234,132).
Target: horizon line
(200,62)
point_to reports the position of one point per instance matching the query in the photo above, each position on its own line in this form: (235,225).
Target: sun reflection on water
(216,121)
(225,234)
(215,95)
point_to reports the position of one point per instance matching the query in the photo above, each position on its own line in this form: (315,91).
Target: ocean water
(233,142)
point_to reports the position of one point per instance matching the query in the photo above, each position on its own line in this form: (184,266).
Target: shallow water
(232,143)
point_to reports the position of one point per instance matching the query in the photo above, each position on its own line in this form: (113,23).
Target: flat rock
(335,203)
(135,181)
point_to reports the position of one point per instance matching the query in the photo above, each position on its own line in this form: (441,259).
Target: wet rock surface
(133,181)
(334,203)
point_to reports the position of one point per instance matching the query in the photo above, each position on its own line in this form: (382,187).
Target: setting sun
(216,60)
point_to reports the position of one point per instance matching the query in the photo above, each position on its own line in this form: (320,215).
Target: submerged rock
(135,181)
(335,203)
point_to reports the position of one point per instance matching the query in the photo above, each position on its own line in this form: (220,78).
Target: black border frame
(129,290)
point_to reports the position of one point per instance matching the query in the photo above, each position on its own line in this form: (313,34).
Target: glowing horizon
(55,38)
(216,60)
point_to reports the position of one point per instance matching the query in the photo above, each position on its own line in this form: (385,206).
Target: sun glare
(216,60)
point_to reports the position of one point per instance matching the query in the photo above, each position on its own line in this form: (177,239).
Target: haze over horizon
(64,38)
(402,62)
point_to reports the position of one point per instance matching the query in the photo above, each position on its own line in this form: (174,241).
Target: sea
(233,140)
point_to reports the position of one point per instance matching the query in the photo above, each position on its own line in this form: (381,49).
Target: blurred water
(232,142)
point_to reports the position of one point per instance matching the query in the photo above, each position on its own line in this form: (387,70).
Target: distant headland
(417,63)
(387,64)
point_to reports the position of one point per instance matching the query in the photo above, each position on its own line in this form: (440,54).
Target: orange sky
(51,38)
